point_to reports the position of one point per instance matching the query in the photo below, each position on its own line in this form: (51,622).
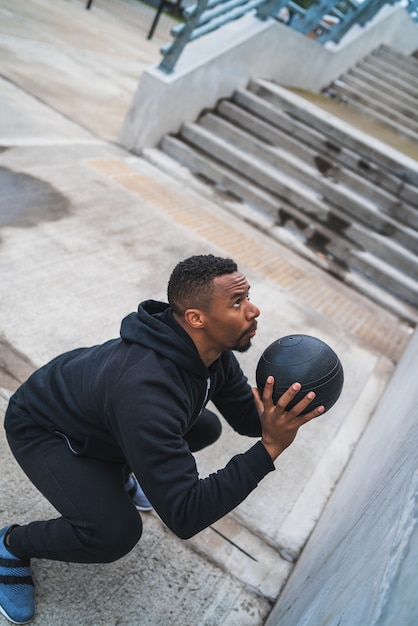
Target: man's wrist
(273,449)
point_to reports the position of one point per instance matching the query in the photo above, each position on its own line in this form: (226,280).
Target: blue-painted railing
(200,19)
(326,20)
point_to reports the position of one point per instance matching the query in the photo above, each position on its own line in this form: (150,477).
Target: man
(138,402)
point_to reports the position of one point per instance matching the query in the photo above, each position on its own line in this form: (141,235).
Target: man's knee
(214,427)
(206,431)
(117,536)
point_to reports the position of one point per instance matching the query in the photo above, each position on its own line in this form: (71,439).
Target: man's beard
(243,348)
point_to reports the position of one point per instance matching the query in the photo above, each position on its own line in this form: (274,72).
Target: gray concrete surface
(360,565)
(70,58)
(86,231)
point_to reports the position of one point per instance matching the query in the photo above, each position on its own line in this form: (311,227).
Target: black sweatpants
(98,521)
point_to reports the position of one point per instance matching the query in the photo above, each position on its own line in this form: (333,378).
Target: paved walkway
(86,231)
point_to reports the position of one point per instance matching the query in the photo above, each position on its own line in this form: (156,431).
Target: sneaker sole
(144,509)
(3,612)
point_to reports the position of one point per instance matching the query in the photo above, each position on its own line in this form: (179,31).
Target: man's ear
(194,318)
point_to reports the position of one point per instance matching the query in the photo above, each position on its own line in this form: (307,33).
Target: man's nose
(253,310)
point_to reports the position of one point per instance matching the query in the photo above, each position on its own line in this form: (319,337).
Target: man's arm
(234,399)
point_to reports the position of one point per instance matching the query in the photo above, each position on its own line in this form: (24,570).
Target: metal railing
(201,19)
(325,20)
(330,19)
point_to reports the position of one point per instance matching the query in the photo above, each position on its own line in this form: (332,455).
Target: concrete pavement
(86,231)
(70,58)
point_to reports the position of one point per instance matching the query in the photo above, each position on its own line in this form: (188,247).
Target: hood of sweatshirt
(153,326)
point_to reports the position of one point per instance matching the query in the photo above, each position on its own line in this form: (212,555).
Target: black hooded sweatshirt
(132,399)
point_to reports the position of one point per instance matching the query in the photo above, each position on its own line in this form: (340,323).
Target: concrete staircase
(311,181)
(383,86)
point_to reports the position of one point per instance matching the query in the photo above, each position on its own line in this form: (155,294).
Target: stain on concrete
(26,200)
(333,147)
(325,167)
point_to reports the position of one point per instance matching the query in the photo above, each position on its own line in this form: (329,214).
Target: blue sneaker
(139,498)
(17,593)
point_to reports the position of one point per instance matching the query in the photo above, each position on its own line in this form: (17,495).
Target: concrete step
(403,168)
(378,91)
(270,215)
(396,282)
(344,156)
(380,83)
(403,61)
(384,87)
(320,156)
(298,208)
(403,118)
(400,61)
(386,263)
(386,116)
(391,79)
(384,64)
(332,191)
(374,267)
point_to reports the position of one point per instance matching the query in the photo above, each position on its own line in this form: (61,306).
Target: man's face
(231,320)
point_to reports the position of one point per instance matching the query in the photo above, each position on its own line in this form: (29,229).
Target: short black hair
(191,281)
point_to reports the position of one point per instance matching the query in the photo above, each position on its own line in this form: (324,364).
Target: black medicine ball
(306,360)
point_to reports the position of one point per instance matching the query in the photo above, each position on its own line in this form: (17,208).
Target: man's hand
(279,427)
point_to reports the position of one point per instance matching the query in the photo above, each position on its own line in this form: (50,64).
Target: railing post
(360,15)
(174,49)
(156,18)
(412,8)
(313,16)
(368,9)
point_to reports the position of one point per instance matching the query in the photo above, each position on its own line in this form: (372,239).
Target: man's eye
(239,301)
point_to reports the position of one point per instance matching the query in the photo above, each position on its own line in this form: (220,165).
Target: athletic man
(138,402)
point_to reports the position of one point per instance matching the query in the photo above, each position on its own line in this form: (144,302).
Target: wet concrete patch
(26,200)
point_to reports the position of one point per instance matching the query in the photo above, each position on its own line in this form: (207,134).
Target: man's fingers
(268,391)
(300,406)
(288,396)
(257,400)
(303,403)
(312,414)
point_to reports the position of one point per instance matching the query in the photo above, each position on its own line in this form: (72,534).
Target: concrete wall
(360,565)
(214,66)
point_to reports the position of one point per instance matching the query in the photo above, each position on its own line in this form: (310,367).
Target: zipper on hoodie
(206,394)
